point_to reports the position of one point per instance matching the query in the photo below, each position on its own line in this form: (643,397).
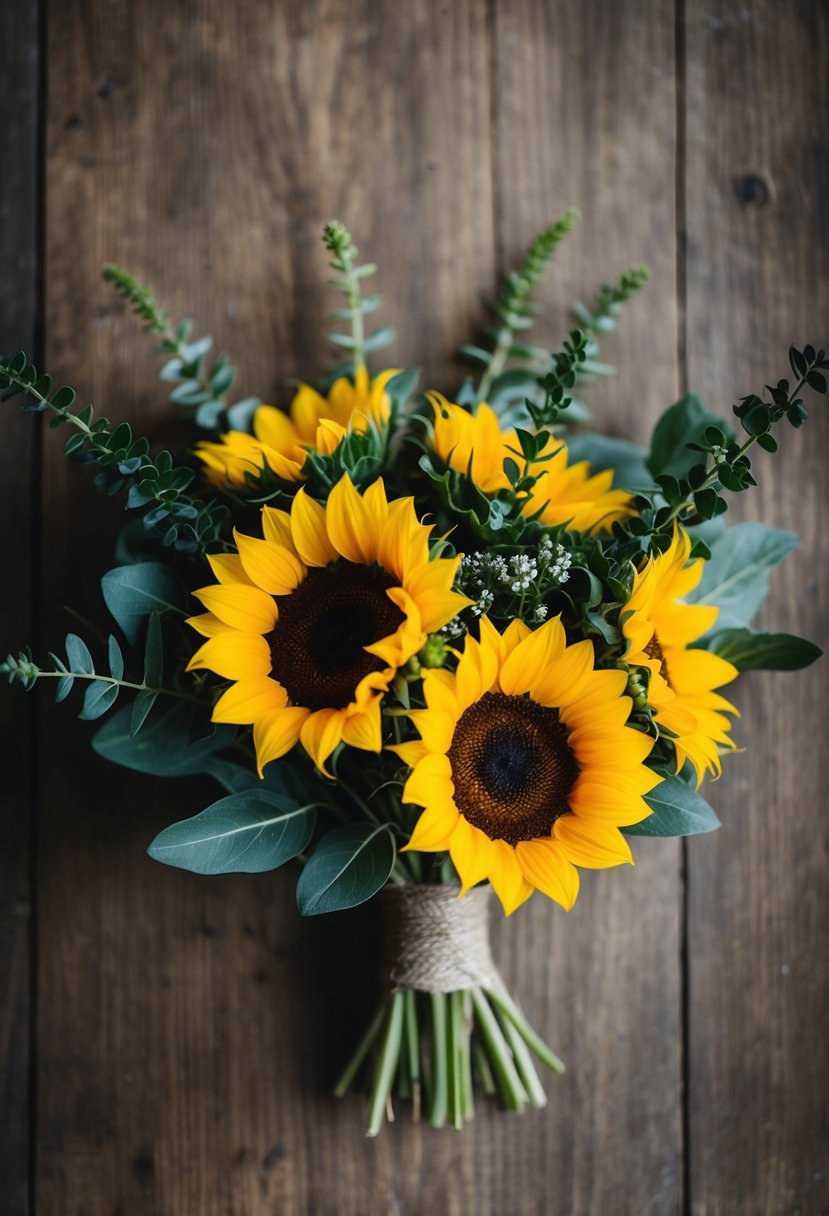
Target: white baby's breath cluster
(496,581)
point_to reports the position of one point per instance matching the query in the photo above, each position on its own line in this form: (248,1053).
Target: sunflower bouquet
(429,648)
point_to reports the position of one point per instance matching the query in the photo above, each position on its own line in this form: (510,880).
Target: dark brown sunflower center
(654,651)
(512,767)
(317,647)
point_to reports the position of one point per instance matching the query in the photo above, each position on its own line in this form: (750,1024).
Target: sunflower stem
(469,1091)
(363,1047)
(412,1040)
(504,1071)
(438,1099)
(523,1061)
(504,1002)
(386,1065)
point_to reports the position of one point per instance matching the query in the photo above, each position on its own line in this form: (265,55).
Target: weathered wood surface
(758,913)
(19,62)
(188,1028)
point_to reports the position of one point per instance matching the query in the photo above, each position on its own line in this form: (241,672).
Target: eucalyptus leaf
(131,593)
(141,706)
(116,659)
(748,650)
(736,578)
(164,745)
(99,696)
(401,386)
(348,866)
(678,810)
(154,653)
(77,653)
(682,423)
(247,832)
(627,460)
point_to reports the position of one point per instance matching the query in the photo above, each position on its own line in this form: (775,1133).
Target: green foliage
(559,381)
(678,810)
(166,745)
(103,689)
(154,485)
(247,832)
(132,593)
(348,866)
(626,459)
(748,649)
(201,384)
(685,422)
(515,312)
(736,578)
(338,242)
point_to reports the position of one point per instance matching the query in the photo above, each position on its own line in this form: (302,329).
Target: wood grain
(757,273)
(193,1025)
(19,68)
(569,129)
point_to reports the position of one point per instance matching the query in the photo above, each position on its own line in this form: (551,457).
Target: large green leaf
(133,592)
(678,810)
(682,423)
(626,459)
(248,832)
(770,651)
(348,866)
(736,578)
(164,745)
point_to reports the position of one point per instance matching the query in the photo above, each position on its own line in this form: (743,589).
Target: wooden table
(169,1038)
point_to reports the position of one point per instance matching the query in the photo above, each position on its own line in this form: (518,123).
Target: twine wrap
(436,942)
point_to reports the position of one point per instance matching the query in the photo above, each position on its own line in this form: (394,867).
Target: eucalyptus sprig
(154,484)
(200,384)
(338,241)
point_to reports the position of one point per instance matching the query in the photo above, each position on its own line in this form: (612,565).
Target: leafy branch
(102,690)
(181,521)
(603,317)
(200,384)
(339,243)
(514,309)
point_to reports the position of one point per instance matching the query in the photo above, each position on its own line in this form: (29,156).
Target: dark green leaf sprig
(154,484)
(695,456)
(201,384)
(357,343)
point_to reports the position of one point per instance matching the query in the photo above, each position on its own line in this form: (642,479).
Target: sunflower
(525,767)
(314,423)
(311,623)
(659,628)
(568,494)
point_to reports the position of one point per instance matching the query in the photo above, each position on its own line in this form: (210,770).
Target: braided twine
(436,942)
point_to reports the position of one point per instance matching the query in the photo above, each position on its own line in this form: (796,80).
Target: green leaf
(116,659)
(736,578)
(628,460)
(348,866)
(682,423)
(748,650)
(77,653)
(401,386)
(141,706)
(678,810)
(164,746)
(97,699)
(131,593)
(248,832)
(154,653)
(235,778)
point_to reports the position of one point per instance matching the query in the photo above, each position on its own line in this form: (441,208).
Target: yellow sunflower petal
(207,624)
(545,865)
(471,852)
(228,568)
(507,877)
(430,779)
(270,566)
(350,523)
(275,734)
(240,606)
(233,655)
(531,656)
(276,527)
(590,845)
(363,730)
(433,830)
(410,753)
(321,733)
(309,532)
(248,700)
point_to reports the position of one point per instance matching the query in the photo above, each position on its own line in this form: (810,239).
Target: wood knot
(753,190)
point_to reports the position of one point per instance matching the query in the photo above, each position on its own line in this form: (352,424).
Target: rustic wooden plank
(577,88)
(189,1029)
(19,70)
(757,274)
